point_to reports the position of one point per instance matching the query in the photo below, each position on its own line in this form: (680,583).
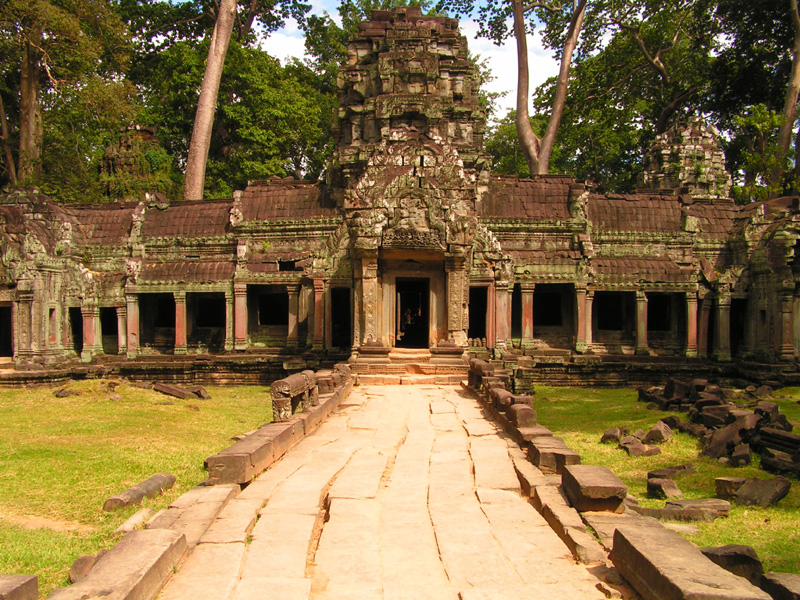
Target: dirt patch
(36,522)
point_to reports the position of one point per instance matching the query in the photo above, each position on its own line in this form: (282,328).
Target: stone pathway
(405,492)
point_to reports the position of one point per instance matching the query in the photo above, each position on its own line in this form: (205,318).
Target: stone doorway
(6,343)
(412,327)
(109,329)
(76,329)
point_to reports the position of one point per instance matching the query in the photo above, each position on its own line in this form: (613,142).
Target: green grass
(581,416)
(60,458)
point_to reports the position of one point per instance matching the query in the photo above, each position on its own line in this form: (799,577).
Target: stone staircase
(410,366)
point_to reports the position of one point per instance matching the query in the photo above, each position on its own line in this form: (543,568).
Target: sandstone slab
(593,488)
(19,587)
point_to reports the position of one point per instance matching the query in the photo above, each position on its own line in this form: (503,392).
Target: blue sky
(502,60)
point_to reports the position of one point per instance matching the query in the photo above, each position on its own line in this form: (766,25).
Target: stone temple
(411,243)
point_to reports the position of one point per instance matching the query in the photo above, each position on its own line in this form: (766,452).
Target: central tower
(410,171)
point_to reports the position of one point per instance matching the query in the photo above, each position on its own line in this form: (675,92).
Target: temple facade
(411,243)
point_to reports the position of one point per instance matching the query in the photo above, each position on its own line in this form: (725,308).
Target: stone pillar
(92,334)
(641,323)
(122,329)
(293,335)
(502,300)
(369,295)
(722,348)
(702,326)
(229,312)
(328,316)
(180,322)
(491,335)
(319,312)
(23,321)
(580,327)
(457,297)
(527,287)
(133,325)
(787,325)
(240,316)
(357,301)
(589,318)
(691,325)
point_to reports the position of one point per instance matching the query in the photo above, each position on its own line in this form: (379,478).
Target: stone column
(589,318)
(501,302)
(240,316)
(294,309)
(691,324)
(369,295)
(527,288)
(641,323)
(328,316)
(23,321)
(357,301)
(133,325)
(92,334)
(229,312)
(319,312)
(722,349)
(702,326)
(457,297)
(180,322)
(787,326)
(491,300)
(122,329)
(580,327)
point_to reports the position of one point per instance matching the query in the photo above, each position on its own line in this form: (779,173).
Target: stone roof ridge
(379,19)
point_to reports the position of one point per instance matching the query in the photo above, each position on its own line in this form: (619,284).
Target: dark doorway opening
(478,304)
(76,329)
(516,311)
(738,325)
(157,321)
(109,329)
(547,307)
(659,312)
(206,315)
(412,313)
(6,343)
(613,311)
(340,318)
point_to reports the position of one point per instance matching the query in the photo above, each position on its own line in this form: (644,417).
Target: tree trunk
(207,104)
(527,138)
(30,121)
(790,102)
(9,156)
(549,138)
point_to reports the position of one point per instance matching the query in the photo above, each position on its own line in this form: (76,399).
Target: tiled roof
(279,200)
(205,218)
(543,198)
(646,270)
(194,271)
(639,212)
(716,220)
(101,226)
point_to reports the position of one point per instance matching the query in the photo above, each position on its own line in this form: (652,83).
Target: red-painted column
(527,288)
(240,316)
(641,323)
(180,322)
(580,326)
(691,324)
(133,324)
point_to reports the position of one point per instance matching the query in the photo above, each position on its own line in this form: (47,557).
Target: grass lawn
(581,416)
(60,458)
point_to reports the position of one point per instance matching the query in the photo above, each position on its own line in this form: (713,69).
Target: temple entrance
(412,327)
(6,342)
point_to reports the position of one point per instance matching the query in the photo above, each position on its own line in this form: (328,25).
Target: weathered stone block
(762,492)
(726,487)
(663,488)
(19,587)
(522,415)
(660,432)
(593,488)
(781,586)
(738,559)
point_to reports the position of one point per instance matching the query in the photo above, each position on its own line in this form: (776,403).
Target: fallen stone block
(740,456)
(551,454)
(637,448)
(605,523)
(135,568)
(675,389)
(136,521)
(567,525)
(522,415)
(672,421)
(663,488)
(762,492)
(722,441)
(661,565)
(674,513)
(659,433)
(776,461)
(19,587)
(146,489)
(781,586)
(174,391)
(722,508)
(738,559)
(726,487)
(81,566)
(530,433)
(671,472)
(199,391)
(612,436)
(593,488)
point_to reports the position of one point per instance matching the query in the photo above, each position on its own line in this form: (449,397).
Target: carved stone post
(369,295)
(787,326)
(229,312)
(580,304)
(691,324)
(133,325)
(641,323)
(328,316)
(527,288)
(294,310)
(457,297)
(319,312)
(589,318)
(501,312)
(180,322)
(722,350)
(92,335)
(23,322)
(240,316)
(122,329)
(702,326)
